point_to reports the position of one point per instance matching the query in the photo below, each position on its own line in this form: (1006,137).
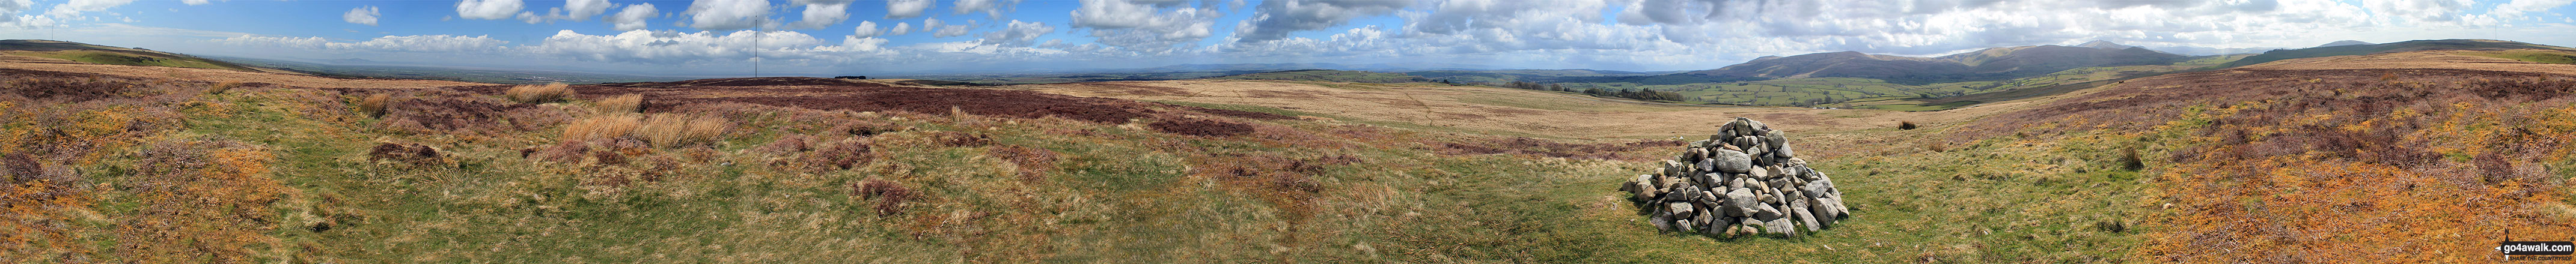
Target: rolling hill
(1982,65)
(87,53)
(2417,45)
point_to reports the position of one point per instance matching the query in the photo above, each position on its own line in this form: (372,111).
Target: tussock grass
(670,130)
(538,94)
(374,105)
(660,130)
(628,103)
(602,127)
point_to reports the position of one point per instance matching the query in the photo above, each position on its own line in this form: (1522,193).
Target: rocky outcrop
(1744,180)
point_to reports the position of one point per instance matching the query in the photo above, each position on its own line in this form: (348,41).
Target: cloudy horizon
(826,37)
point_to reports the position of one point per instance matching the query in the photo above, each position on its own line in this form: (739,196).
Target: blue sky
(832,37)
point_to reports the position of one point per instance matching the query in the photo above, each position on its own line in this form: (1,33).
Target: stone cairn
(1744,180)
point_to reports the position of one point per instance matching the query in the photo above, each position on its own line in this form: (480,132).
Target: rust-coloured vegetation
(2377,165)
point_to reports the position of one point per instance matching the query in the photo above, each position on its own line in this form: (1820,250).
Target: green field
(2538,56)
(114,57)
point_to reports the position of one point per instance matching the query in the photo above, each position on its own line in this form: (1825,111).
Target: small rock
(1731,161)
(1764,212)
(1808,220)
(1780,226)
(1662,221)
(1815,189)
(1740,203)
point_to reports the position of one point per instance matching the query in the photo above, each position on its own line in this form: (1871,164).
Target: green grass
(134,59)
(2537,56)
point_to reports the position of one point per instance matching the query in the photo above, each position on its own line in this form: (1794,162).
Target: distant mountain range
(1987,64)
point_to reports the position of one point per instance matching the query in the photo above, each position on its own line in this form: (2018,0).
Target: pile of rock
(1745,180)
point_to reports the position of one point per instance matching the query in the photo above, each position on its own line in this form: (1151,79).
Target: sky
(846,37)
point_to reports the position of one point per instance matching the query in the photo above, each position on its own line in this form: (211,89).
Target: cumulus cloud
(900,28)
(822,13)
(74,9)
(13,7)
(942,30)
(1275,19)
(488,9)
(901,9)
(1144,25)
(632,18)
(722,15)
(195,2)
(583,9)
(361,15)
(678,48)
(2518,8)
(1018,34)
(419,43)
(991,8)
(866,29)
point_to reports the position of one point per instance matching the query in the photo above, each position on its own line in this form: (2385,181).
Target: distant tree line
(1637,93)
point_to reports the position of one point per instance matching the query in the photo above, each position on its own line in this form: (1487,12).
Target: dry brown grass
(219,88)
(538,94)
(660,130)
(374,105)
(672,130)
(619,104)
(602,127)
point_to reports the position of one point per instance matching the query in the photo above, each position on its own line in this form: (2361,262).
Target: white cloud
(991,8)
(901,9)
(72,10)
(421,43)
(426,43)
(676,48)
(1145,26)
(823,13)
(582,10)
(2518,8)
(13,7)
(267,41)
(488,9)
(900,28)
(729,14)
(1275,19)
(942,30)
(1018,34)
(361,15)
(866,29)
(632,18)
(195,2)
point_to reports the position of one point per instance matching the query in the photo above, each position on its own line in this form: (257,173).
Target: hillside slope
(86,53)
(2408,157)
(1987,64)
(2366,49)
